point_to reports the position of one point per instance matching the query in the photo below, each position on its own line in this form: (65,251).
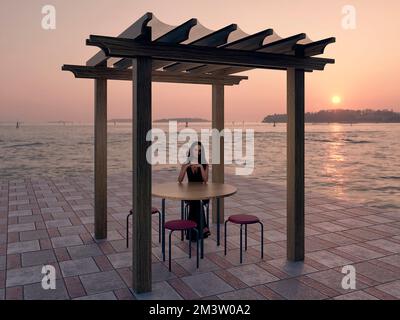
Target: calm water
(360,162)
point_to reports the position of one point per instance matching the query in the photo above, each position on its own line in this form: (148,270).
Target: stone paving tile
(375,272)
(78,267)
(205,265)
(328,259)
(2,294)
(386,245)
(242,294)
(36,292)
(21,227)
(160,291)
(100,296)
(333,279)
(356,295)
(71,230)
(22,276)
(24,246)
(101,282)
(3,264)
(360,252)
(57,223)
(20,213)
(66,241)
(206,284)
(84,251)
(392,260)
(38,258)
(160,272)
(392,288)
(121,260)
(252,274)
(33,235)
(74,287)
(295,290)
(292,268)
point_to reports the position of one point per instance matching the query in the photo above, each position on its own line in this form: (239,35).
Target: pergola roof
(193,53)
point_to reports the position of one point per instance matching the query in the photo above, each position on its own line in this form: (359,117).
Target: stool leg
(169,251)
(262,240)
(241,244)
(190,243)
(182,218)
(208,215)
(127,230)
(245,237)
(163,228)
(159,227)
(197,248)
(225,233)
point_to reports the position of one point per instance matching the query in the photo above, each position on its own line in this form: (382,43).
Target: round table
(192,191)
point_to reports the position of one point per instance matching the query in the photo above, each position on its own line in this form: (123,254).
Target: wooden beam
(100,158)
(157,76)
(295,165)
(176,35)
(313,48)
(214,39)
(141,180)
(218,170)
(251,42)
(134,31)
(117,47)
(284,45)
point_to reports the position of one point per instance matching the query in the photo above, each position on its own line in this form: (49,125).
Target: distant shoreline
(342,116)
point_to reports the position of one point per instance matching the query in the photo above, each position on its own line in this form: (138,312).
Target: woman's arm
(182,173)
(204,173)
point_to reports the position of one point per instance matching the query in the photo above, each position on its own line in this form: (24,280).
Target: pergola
(150,50)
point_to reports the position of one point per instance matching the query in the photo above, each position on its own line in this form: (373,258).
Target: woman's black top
(195,176)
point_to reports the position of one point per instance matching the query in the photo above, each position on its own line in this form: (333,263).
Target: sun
(336,99)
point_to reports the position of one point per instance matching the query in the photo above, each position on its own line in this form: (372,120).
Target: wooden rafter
(117,47)
(87,72)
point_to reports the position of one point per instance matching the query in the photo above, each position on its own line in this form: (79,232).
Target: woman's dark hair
(202,155)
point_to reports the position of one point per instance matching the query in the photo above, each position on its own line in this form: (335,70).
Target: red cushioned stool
(244,220)
(154,210)
(182,225)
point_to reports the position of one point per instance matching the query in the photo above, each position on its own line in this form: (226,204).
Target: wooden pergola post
(100,158)
(218,170)
(295,164)
(141,175)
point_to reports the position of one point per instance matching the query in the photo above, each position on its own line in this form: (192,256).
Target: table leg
(182,217)
(218,222)
(201,230)
(163,228)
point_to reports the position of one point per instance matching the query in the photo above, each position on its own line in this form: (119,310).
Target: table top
(192,190)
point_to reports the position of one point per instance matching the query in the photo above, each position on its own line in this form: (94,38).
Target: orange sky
(32,87)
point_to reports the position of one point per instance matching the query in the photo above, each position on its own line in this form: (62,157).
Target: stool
(154,210)
(244,220)
(182,225)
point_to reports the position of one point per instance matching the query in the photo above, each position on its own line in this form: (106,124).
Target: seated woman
(196,171)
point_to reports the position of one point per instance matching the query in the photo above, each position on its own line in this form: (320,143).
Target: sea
(359,162)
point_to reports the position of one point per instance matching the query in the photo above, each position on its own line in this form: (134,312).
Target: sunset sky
(34,89)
